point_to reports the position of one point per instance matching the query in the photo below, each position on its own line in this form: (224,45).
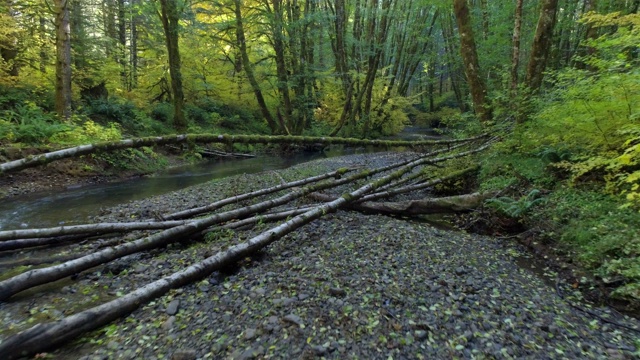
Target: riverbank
(346,286)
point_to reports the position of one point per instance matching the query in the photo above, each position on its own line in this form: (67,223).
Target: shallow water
(76,205)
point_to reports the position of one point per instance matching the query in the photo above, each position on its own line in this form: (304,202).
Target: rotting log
(441,205)
(46,158)
(45,336)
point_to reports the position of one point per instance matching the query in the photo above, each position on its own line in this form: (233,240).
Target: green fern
(516,208)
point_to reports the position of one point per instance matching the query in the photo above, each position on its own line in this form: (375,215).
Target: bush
(602,236)
(28,123)
(162,112)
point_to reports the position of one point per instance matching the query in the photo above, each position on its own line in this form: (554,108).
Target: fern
(516,208)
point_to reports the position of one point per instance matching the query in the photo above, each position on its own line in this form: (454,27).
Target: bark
(169,15)
(450,204)
(46,158)
(122,44)
(470,58)
(63,58)
(92,229)
(248,69)
(281,68)
(541,45)
(133,50)
(515,54)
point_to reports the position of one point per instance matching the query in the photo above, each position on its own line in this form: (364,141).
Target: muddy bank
(346,286)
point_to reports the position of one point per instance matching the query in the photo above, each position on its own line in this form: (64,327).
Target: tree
(169,17)
(470,58)
(63,58)
(541,45)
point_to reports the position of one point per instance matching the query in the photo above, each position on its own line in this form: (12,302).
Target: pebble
(294,319)
(338,292)
(173,306)
(184,355)
(249,334)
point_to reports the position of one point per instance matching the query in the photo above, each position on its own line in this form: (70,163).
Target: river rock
(173,306)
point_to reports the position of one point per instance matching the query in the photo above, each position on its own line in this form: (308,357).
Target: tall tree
(63,58)
(541,44)
(169,15)
(8,38)
(515,55)
(248,68)
(470,58)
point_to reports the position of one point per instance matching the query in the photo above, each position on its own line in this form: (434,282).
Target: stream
(77,205)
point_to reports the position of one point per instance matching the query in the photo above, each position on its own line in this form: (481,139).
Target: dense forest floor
(349,285)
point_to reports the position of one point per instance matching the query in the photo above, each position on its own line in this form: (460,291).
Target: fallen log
(235,199)
(44,336)
(46,158)
(92,229)
(24,238)
(31,278)
(449,204)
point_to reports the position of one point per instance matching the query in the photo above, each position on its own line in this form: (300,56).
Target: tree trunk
(63,59)
(122,44)
(470,58)
(133,50)
(541,45)
(248,69)
(170,16)
(515,54)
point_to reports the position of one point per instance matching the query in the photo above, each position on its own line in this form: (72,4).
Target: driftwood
(44,336)
(31,278)
(449,204)
(42,159)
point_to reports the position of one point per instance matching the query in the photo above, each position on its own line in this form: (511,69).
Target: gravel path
(348,286)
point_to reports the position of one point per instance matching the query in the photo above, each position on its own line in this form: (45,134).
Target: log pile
(376,184)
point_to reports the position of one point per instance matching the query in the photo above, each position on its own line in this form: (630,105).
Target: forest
(552,87)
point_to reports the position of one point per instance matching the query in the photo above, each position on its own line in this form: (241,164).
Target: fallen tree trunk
(449,204)
(46,158)
(235,199)
(92,229)
(31,278)
(28,237)
(44,336)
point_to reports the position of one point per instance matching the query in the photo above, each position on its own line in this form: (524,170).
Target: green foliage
(516,208)
(143,160)
(88,132)
(28,123)
(501,167)
(602,236)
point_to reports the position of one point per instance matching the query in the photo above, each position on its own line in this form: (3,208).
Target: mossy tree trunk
(169,16)
(541,47)
(470,58)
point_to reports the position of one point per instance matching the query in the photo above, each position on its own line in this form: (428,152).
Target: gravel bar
(347,286)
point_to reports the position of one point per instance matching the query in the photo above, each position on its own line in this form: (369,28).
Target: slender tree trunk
(248,69)
(470,59)
(541,45)
(169,16)
(63,59)
(281,67)
(122,44)
(44,55)
(515,54)
(133,50)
